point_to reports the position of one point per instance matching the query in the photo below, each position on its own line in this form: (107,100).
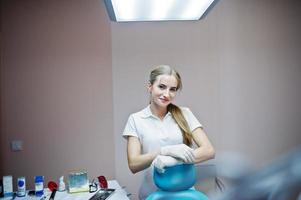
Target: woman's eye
(162,86)
(173,89)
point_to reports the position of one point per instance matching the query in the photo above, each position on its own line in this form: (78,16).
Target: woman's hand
(180,151)
(160,162)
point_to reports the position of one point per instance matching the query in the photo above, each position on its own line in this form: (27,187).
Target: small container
(21,187)
(62,186)
(8,186)
(39,185)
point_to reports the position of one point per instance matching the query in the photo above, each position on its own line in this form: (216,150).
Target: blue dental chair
(175,184)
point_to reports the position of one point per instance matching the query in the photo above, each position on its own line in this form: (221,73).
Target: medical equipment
(280,180)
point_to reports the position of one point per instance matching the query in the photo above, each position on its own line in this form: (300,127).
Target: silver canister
(21,187)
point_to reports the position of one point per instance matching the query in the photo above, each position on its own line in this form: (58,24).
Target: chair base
(180,195)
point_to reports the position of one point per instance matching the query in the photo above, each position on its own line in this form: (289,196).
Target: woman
(162,133)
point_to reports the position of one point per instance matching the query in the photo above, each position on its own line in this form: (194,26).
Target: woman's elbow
(133,168)
(211,153)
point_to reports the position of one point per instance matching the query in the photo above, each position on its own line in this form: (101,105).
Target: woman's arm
(205,150)
(136,160)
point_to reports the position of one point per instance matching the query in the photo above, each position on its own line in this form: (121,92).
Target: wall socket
(16,145)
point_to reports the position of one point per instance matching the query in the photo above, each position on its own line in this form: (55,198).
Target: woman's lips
(164,100)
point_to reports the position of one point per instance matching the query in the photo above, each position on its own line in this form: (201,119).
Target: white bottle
(8,186)
(21,187)
(62,186)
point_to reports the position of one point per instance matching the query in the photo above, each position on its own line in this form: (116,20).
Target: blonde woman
(162,134)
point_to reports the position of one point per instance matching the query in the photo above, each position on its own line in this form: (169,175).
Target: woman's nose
(166,93)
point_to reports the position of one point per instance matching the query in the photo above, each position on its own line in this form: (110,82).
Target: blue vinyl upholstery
(175,184)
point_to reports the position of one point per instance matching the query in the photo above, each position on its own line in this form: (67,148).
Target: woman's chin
(164,104)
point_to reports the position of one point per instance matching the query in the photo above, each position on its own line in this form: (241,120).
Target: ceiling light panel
(157,10)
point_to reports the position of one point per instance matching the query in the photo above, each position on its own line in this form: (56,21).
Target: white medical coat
(154,133)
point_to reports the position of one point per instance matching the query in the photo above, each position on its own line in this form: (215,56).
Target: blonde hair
(173,109)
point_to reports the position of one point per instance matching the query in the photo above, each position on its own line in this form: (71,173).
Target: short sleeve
(192,121)
(130,128)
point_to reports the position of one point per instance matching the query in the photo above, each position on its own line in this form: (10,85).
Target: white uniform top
(154,133)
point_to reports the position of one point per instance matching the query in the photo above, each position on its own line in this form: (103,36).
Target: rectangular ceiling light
(156,10)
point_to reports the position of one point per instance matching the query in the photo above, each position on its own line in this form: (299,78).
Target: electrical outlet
(16,145)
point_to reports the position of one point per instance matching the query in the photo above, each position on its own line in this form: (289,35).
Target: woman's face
(163,90)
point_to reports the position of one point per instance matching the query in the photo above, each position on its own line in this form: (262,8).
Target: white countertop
(119,194)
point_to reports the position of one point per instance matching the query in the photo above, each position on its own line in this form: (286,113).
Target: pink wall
(56,88)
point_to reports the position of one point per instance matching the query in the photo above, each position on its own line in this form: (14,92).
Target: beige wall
(56,88)
(241,73)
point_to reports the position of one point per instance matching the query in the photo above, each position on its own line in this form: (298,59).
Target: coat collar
(146,112)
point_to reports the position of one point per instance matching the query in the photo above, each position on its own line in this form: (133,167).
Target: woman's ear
(149,87)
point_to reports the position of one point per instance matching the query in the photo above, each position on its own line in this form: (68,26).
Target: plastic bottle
(39,185)
(21,187)
(62,186)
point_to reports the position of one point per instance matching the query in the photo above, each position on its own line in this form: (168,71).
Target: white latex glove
(180,151)
(160,162)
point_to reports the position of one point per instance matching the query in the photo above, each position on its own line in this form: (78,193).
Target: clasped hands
(173,155)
